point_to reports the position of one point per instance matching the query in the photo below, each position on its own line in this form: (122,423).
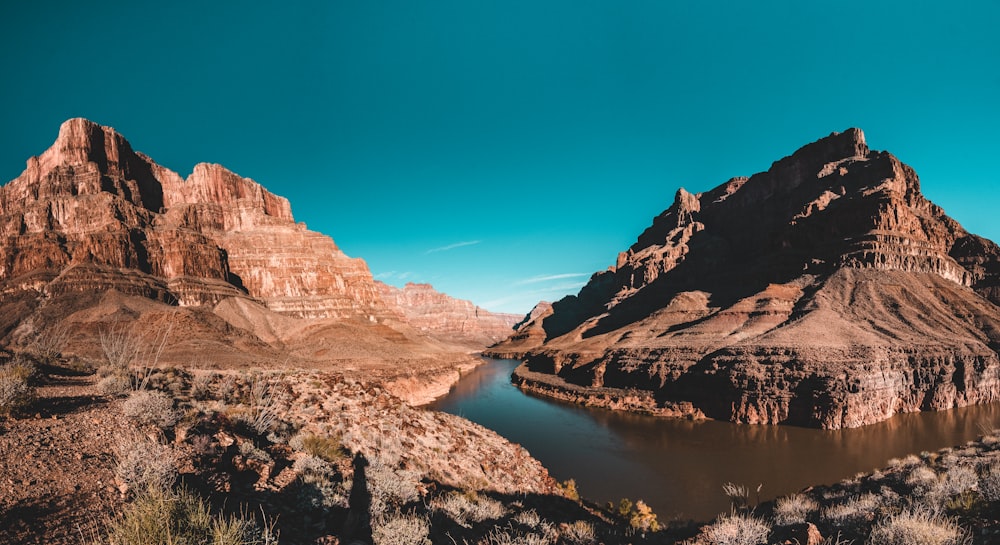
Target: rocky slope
(827,291)
(437,314)
(93,233)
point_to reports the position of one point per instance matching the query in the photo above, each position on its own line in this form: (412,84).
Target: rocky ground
(284,449)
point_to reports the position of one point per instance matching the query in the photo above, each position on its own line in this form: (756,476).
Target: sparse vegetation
(400,529)
(16,390)
(467,508)
(144,464)
(917,527)
(794,509)
(150,408)
(161,517)
(738,529)
(324,447)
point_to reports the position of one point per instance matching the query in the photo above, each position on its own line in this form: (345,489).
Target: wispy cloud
(452,246)
(390,275)
(549,278)
(521,301)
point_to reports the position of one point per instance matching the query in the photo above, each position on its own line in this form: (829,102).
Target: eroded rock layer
(827,291)
(93,234)
(433,312)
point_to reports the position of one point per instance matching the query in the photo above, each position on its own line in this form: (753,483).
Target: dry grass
(738,529)
(917,527)
(400,529)
(469,507)
(160,517)
(794,509)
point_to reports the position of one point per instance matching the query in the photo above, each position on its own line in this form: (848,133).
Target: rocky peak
(215,184)
(86,159)
(826,291)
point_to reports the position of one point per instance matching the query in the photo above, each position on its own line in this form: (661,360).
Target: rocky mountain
(827,291)
(93,232)
(437,314)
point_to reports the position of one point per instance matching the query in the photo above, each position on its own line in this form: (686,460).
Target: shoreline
(615,399)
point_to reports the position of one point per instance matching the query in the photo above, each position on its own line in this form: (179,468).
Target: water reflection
(679,466)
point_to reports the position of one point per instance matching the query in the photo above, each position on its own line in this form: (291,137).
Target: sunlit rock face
(433,312)
(92,214)
(827,291)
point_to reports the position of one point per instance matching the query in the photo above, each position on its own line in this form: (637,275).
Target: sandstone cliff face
(91,208)
(826,291)
(93,233)
(437,314)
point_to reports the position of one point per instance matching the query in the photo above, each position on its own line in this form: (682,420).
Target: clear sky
(504,150)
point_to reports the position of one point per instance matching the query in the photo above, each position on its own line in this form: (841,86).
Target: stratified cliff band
(827,291)
(92,224)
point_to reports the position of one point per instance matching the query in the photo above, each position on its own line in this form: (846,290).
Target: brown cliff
(215,252)
(439,315)
(826,292)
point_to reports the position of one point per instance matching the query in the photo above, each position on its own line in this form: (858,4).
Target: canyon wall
(827,291)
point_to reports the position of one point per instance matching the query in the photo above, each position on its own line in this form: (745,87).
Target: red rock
(91,217)
(453,319)
(827,291)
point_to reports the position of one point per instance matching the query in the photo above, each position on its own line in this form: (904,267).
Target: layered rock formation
(91,216)
(91,207)
(826,292)
(440,315)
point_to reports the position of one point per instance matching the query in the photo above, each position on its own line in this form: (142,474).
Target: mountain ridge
(729,299)
(90,216)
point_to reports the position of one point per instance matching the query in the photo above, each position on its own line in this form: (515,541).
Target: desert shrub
(738,529)
(390,486)
(580,532)
(498,536)
(325,447)
(738,494)
(144,464)
(16,391)
(854,510)
(529,518)
(569,489)
(263,406)
(201,386)
(49,344)
(989,481)
(468,507)
(161,517)
(251,452)
(917,527)
(150,408)
(321,486)
(114,384)
(400,529)
(642,518)
(794,509)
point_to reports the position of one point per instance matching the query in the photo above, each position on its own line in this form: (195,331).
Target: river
(678,467)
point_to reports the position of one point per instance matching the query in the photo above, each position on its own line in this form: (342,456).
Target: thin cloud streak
(549,278)
(532,297)
(453,246)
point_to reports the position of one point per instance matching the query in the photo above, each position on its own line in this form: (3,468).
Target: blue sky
(505,150)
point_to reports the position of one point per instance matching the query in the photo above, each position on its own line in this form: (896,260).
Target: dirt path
(56,484)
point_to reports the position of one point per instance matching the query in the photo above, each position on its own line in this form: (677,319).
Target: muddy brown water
(678,467)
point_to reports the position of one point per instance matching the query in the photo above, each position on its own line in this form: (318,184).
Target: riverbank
(631,400)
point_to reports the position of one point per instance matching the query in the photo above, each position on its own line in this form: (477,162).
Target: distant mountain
(827,291)
(454,319)
(92,233)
